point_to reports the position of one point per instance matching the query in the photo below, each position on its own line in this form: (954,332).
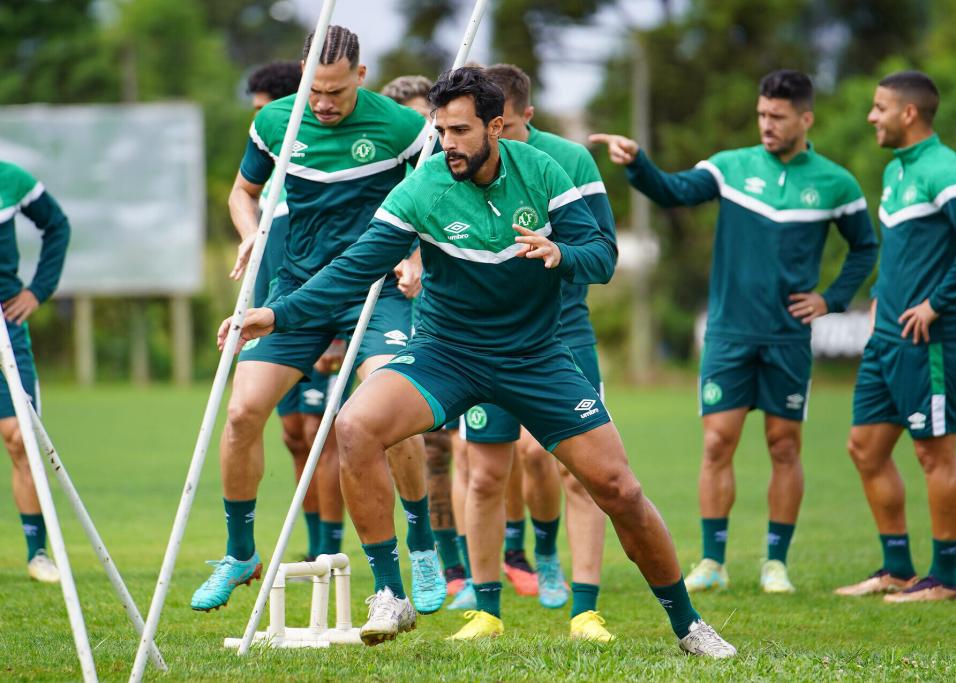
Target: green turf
(128,452)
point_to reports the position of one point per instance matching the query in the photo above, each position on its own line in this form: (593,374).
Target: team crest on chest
(526,217)
(810,197)
(363,150)
(909,195)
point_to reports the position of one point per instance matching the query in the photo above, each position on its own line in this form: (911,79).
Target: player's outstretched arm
(350,275)
(686,188)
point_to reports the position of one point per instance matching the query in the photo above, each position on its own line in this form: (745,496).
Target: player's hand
(330,362)
(409,274)
(622,150)
(18,308)
(537,246)
(807,307)
(258,323)
(917,320)
(242,257)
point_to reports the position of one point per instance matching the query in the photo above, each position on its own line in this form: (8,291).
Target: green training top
(578,163)
(20,192)
(771,229)
(338,175)
(477,294)
(918,255)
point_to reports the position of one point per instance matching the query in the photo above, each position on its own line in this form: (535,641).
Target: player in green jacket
(777,202)
(351,150)
(20,192)
(490,312)
(493,434)
(907,377)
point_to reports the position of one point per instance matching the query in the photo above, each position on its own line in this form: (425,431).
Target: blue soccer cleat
(428,582)
(228,573)
(552,590)
(466,599)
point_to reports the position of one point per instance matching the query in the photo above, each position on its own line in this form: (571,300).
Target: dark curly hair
(276,79)
(469,81)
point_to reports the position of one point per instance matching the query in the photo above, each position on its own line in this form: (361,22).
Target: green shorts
(20,338)
(487,423)
(309,395)
(908,385)
(546,392)
(774,378)
(387,334)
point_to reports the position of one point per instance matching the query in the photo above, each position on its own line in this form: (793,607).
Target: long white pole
(346,369)
(99,547)
(22,410)
(229,349)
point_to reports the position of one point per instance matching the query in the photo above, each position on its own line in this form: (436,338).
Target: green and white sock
(546,535)
(420,536)
(240,525)
(34,531)
(897,559)
(383,559)
(676,603)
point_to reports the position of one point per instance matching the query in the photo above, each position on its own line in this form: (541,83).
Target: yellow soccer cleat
(481,625)
(590,626)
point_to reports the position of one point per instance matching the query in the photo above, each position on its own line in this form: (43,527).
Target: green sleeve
(46,214)
(853,222)
(943,297)
(687,188)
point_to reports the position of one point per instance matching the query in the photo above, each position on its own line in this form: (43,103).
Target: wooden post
(181,321)
(84,351)
(139,342)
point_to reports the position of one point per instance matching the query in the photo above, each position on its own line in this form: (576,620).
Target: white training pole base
(322,571)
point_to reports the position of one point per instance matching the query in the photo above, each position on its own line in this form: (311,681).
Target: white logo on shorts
(586,408)
(917,421)
(396,337)
(794,402)
(313,397)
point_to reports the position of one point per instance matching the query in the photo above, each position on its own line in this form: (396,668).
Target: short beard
(786,147)
(475,162)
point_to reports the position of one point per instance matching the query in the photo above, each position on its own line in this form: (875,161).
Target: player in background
(907,377)
(20,192)
(300,410)
(351,150)
(777,202)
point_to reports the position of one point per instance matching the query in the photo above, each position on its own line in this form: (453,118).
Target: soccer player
(491,431)
(490,314)
(906,377)
(412,91)
(777,201)
(22,193)
(301,409)
(351,151)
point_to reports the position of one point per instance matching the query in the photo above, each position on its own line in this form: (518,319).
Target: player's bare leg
(40,566)
(871,449)
(406,459)
(516,567)
(366,427)
(438,467)
(640,529)
(542,491)
(323,505)
(716,491)
(784,494)
(937,457)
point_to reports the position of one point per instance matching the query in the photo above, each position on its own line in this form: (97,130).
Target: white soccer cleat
(774,579)
(387,617)
(704,642)
(41,568)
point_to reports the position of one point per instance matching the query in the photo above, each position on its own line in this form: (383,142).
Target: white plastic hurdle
(323,570)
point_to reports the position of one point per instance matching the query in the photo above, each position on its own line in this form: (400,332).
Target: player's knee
(863,458)
(784,450)
(486,483)
(13,442)
(933,459)
(244,420)
(618,494)
(718,448)
(536,463)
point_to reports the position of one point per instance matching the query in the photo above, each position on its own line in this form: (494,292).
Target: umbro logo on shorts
(794,402)
(587,408)
(917,421)
(396,337)
(313,397)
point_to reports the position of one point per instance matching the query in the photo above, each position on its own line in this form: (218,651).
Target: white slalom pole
(70,597)
(99,547)
(346,369)
(331,408)
(232,340)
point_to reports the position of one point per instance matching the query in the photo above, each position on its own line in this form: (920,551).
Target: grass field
(128,450)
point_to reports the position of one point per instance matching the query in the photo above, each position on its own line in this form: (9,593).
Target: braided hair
(339,43)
